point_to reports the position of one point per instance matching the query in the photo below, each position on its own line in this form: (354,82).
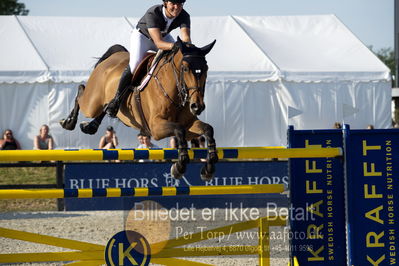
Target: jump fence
(344,183)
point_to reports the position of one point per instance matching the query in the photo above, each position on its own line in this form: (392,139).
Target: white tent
(265,73)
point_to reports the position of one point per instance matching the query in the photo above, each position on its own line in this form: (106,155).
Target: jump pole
(165,154)
(138,192)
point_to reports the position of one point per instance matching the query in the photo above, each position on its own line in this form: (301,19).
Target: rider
(152,33)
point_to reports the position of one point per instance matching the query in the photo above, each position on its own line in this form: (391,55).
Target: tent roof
(295,48)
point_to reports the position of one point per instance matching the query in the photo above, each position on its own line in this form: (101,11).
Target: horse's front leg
(201,128)
(162,129)
(179,168)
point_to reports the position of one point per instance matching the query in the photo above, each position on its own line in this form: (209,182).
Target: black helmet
(175,1)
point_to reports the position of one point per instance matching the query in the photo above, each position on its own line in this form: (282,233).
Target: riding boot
(126,79)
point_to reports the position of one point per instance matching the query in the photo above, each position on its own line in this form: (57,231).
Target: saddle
(140,79)
(145,69)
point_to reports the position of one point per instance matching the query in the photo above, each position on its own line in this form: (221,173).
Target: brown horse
(170,103)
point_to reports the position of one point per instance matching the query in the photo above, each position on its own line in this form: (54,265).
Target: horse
(168,105)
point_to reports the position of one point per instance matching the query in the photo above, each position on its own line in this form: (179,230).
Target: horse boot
(126,79)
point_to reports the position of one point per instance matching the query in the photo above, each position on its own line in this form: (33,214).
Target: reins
(183,91)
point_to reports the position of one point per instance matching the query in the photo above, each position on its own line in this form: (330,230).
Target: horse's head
(193,72)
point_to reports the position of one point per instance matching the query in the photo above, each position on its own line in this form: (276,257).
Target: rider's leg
(139,44)
(113,105)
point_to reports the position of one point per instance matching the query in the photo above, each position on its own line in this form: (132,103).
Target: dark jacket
(154,18)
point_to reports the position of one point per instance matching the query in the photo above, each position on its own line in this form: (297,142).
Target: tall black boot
(113,106)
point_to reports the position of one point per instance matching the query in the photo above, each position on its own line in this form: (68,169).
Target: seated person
(201,140)
(140,139)
(8,142)
(109,140)
(337,125)
(147,144)
(194,143)
(173,142)
(43,141)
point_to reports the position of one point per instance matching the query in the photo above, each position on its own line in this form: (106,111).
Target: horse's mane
(113,49)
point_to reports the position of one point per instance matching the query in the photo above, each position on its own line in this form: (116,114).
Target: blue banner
(317,215)
(372,166)
(151,174)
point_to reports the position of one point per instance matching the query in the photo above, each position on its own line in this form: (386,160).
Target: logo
(127,248)
(173,182)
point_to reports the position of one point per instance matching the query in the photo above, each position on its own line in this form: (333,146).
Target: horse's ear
(206,49)
(179,43)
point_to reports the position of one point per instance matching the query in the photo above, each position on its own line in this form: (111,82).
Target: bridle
(184,92)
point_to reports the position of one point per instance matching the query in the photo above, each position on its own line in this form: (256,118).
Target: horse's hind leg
(70,122)
(92,126)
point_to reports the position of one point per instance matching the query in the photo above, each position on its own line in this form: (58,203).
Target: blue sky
(372,21)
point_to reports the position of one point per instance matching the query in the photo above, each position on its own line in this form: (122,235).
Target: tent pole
(396,81)
(396,16)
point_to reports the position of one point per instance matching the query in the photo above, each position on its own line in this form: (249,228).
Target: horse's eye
(185,69)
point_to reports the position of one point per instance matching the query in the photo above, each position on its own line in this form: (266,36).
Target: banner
(372,167)
(317,215)
(151,174)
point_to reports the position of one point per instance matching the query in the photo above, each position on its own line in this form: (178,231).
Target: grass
(27,175)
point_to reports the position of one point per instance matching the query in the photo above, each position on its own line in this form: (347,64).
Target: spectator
(147,144)
(173,142)
(337,125)
(43,141)
(140,139)
(201,140)
(8,142)
(109,140)
(370,127)
(194,143)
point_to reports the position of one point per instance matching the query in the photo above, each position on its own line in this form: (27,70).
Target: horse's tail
(113,49)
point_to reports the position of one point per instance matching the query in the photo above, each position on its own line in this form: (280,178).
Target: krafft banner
(372,167)
(317,201)
(150,174)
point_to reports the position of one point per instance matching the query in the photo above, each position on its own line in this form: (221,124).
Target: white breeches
(139,45)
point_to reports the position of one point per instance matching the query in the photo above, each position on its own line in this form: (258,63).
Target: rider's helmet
(175,1)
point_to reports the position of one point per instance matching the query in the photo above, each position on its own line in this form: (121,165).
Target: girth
(144,128)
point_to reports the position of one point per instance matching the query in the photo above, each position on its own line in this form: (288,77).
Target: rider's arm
(185,34)
(156,36)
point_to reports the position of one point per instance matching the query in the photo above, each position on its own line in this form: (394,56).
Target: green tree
(12,7)
(386,55)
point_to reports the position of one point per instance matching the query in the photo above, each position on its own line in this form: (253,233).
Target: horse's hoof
(68,124)
(175,173)
(88,128)
(207,175)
